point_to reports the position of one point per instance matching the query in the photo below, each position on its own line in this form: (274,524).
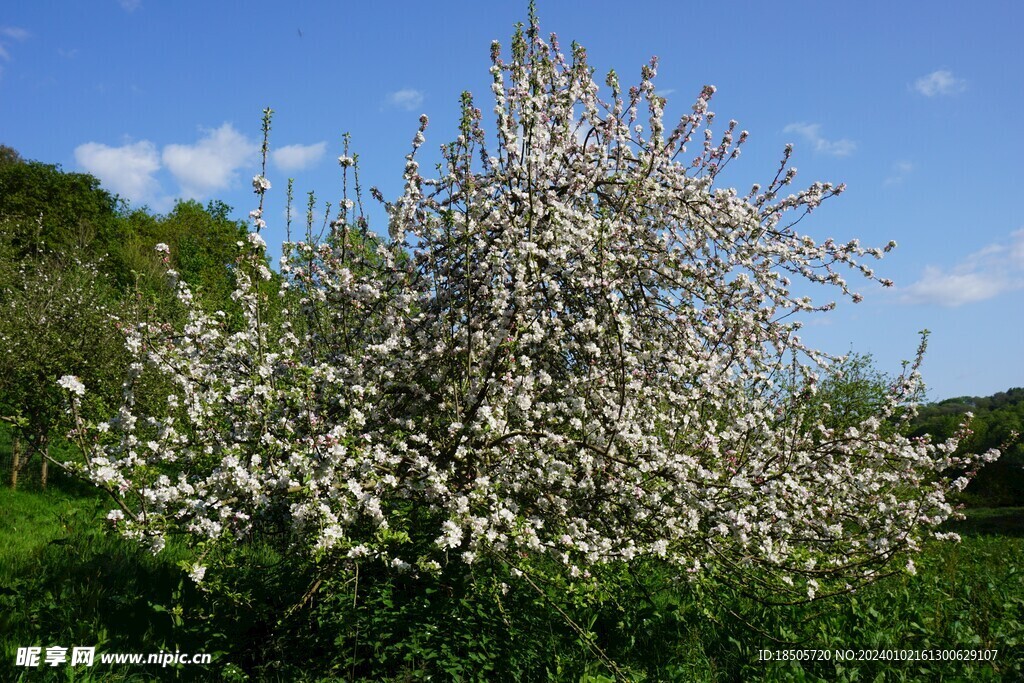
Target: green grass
(64,581)
(31,521)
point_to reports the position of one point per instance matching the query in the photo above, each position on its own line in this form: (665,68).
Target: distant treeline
(997,419)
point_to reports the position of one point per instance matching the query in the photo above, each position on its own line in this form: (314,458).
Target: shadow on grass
(990,522)
(72,583)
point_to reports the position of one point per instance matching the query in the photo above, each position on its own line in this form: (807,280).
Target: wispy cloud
(127,170)
(129,5)
(941,82)
(297,157)
(9,35)
(985,274)
(952,288)
(212,163)
(406,98)
(811,133)
(898,173)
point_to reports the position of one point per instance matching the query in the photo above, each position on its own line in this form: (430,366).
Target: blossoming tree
(573,344)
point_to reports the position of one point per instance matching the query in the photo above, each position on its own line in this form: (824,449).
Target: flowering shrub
(575,345)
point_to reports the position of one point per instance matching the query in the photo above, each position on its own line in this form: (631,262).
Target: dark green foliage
(79,586)
(56,322)
(45,209)
(997,419)
(853,392)
(9,155)
(203,246)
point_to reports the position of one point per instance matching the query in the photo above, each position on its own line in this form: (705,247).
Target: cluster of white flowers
(197,572)
(260,184)
(72,384)
(583,350)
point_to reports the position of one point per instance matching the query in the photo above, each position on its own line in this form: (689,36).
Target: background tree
(57,315)
(71,256)
(9,155)
(858,390)
(47,210)
(202,245)
(50,210)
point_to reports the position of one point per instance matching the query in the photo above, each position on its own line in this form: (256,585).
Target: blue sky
(915,106)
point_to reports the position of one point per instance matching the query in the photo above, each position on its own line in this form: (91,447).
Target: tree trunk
(15,458)
(44,464)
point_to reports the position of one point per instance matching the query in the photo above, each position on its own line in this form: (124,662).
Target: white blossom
(260,184)
(72,384)
(197,573)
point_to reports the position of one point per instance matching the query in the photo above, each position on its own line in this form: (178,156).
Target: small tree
(56,320)
(69,259)
(576,346)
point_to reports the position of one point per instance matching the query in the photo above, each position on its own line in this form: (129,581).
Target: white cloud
(985,274)
(940,82)
(899,172)
(298,157)
(212,163)
(811,133)
(8,35)
(406,98)
(127,170)
(952,289)
(129,5)
(201,169)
